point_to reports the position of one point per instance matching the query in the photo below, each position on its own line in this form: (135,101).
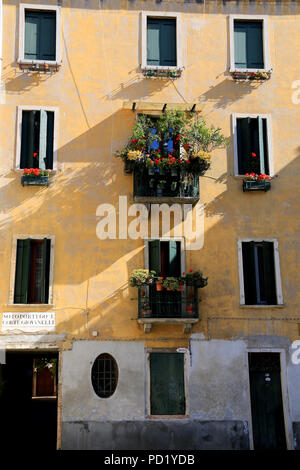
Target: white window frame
(20,110)
(279,295)
(160,15)
(30,6)
(186,364)
(235,141)
(13,269)
(265,28)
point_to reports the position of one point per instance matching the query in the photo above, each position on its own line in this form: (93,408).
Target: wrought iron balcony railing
(174,185)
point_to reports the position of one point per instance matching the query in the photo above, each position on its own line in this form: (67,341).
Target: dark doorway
(28,402)
(266,401)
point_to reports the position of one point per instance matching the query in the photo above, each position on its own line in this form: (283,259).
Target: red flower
(188,161)
(253,154)
(35,154)
(190,270)
(133,141)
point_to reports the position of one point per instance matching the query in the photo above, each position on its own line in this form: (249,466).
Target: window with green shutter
(167,396)
(37,139)
(248,44)
(161,42)
(32,271)
(252,145)
(259,273)
(40,35)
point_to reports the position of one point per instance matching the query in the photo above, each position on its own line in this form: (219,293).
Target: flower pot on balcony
(151,183)
(150,170)
(180,288)
(173,185)
(189,310)
(174,172)
(159,285)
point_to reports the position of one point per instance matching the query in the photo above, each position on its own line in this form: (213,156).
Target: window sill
(262,306)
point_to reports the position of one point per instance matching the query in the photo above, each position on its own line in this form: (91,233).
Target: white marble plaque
(28,321)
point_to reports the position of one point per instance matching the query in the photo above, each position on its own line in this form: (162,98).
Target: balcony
(170,186)
(170,307)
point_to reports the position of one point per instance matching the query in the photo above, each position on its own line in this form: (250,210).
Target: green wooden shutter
(27,139)
(240,45)
(43,139)
(43,271)
(167,395)
(249,273)
(168,43)
(255,45)
(50,140)
(153,41)
(174,259)
(154,256)
(22,271)
(244,145)
(248,44)
(40,35)
(161,42)
(31,35)
(48,36)
(269,273)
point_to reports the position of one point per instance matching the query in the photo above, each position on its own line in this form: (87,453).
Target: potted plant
(140,277)
(160,187)
(159,283)
(195,278)
(35,177)
(171,283)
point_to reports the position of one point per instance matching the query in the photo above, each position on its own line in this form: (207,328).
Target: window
(248,42)
(165,257)
(167,388)
(32,271)
(39,34)
(161,41)
(44,377)
(252,145)
(36,138)
(259,266)
(105,375)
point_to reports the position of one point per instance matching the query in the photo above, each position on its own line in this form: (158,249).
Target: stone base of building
(155,435)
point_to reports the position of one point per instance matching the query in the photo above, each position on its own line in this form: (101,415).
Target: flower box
(255,185)
(161,72)
(32,180)
(248,75)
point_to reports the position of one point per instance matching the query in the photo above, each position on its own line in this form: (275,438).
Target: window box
(262,185)
(250,75)
(167,73)
(29,180)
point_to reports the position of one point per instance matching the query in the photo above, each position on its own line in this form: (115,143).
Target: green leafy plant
(46,363)
(141,276)
(195,278)
(171,283)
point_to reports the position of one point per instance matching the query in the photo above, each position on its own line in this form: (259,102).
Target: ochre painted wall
(100,71)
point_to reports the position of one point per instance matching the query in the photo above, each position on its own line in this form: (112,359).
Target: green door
(167,384)
(266,401)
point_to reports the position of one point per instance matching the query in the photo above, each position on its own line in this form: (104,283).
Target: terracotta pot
(159,286)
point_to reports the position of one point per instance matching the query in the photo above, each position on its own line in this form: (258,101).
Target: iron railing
(167,304)
(169,183)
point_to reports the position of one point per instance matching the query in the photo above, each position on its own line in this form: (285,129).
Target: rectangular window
(37,138)
(40,35)
(161,42)
(165,257)
(32,271)
(252,145)
(259,273)
(248,44)
(167,391)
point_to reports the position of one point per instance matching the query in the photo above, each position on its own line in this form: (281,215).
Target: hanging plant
(45,363)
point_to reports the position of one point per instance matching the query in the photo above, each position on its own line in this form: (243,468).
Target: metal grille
(105,375)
